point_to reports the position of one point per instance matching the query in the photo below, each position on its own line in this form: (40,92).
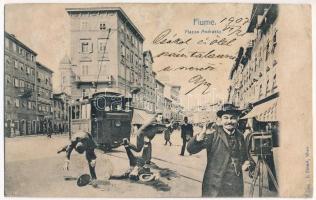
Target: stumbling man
(226,155)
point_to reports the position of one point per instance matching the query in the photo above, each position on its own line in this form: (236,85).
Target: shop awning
(265,112)
(141,116)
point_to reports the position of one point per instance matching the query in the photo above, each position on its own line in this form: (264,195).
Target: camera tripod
(258,173)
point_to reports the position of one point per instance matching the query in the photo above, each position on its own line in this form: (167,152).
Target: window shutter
(91,47)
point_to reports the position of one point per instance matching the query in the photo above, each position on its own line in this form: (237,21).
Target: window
(16,82)
(267,50)
(274,85)
(28,70)
(127,54)
(267,87)
(84,25)
(16,64)
(23,103)
(274,42)
(102,26)
(21,83)
(21,66)
(8,100)
(7,43)
(260,91)
(84,93)
(86,46)
(84,70)
(127,36)
(101,45)
(10,45)
(122,49)
(132,76)
(122,36)
(64,80)
(20,50)
(29,105)
(17,103)
(8,79)
(132,40)
(15,47)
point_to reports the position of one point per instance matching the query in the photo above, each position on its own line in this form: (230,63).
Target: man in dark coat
(226,153)
(145,135)
(82,142)
(186,134)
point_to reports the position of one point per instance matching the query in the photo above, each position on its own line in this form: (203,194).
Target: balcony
(25,92)
(94,78)
(44,100)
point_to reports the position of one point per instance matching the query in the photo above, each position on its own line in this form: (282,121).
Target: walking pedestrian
(186,134)
(167,133)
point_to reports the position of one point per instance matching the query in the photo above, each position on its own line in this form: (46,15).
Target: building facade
(167,111)
(159,93)
(28,89)
(106,52)
(149,83)
(44,88)
(253,76)
(60,112)
(254,80)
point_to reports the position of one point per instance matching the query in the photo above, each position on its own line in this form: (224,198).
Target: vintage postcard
(158,100)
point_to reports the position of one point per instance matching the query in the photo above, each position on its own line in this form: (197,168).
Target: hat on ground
(228,108)
(83,180)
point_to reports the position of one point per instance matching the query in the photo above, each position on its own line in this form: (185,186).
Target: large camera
(259,143)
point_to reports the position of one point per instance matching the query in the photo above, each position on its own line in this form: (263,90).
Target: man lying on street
(82,142)
(143,143)
(226,154)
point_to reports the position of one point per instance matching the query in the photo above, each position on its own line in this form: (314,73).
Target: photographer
(226,155)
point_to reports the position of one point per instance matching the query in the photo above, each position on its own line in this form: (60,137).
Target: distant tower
(66,75)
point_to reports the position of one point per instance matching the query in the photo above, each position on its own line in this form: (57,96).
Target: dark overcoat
(218,160)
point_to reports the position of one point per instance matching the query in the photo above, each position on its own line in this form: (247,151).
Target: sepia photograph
(157,100)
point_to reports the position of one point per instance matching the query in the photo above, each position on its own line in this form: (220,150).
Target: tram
(106,115)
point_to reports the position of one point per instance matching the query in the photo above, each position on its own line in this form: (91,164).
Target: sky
(190,28)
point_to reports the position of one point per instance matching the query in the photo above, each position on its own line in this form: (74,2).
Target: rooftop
(121,13)
(44,67)
(65,60)
(12,37)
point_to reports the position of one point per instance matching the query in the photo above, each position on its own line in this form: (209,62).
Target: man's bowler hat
(83,180)
(228,108)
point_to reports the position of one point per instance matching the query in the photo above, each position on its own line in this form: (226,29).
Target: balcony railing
(93,78)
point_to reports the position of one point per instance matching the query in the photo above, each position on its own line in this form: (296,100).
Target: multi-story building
(253,76)
(149,83)
(254,79)
(175,93)
(20,98)
(172,92)
(27,89)
(159,93)
(60,112)
(106,52)
(167,112)
(44,89)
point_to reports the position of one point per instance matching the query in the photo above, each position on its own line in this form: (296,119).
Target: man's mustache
(232,124)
